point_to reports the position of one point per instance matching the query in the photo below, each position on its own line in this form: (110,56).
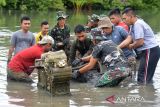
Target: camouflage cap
(93,18)
(101,16)
(96,34)
(104,22)
(61,14)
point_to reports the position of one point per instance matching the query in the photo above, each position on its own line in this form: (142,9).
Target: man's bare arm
(86,59)
(11,49)
(136,44)
(126,42)
(89,66)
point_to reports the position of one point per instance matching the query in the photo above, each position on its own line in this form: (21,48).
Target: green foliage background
(76,4)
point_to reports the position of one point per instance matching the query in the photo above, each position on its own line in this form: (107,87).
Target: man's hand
(76,62)
(76,74)
(131,46)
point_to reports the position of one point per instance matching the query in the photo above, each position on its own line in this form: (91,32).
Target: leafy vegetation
(76,4)
(34,5)
(2,3)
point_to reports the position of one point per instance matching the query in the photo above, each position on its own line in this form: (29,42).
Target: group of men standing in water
(115,41)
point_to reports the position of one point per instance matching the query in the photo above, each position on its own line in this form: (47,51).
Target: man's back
(109,55)
(22,60)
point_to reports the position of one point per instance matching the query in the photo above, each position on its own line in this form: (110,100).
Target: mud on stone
(53,73)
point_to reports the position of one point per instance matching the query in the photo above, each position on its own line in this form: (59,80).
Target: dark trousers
(148,62)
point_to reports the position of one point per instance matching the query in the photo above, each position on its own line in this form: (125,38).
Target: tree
(11,4)
(91,2)
(2,3)
(79,3)
(56,5)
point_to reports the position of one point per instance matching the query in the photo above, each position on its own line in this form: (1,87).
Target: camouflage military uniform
(94,19)
(116,66)
(61,36)
(109,55)
(84,48)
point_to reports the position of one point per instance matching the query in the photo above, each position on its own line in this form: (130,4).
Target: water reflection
(19,94)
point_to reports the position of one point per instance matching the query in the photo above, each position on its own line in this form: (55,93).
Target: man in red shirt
(19,68)
(115,17)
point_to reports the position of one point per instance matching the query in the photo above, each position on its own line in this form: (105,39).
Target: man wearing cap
(61,33)
(119,36)
(106,52)
(82,45)
(19,68)
(92,22)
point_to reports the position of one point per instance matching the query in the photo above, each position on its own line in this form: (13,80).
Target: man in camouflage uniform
(107,53)
(82,45)
(61,33)
(92,22)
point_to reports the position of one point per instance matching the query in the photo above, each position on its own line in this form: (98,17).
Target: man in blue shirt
(115,33)
(145,43)
(119,36)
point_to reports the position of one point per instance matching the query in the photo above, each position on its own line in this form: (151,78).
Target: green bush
(34,4)
(77,4)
